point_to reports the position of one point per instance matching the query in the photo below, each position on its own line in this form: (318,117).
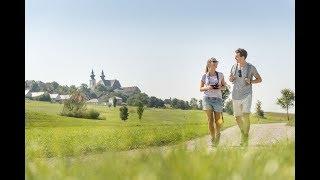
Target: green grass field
(55,137)
(48,134)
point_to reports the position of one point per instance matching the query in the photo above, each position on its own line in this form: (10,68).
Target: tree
(225,94)
(44,97)
(75,106)
(55,85)
(140,110)
(84,88)
(286,100)
(259,110)
(167,101)
(200,104)
(134,99)
(72,89)
(194,103)
(63,89)
(155,102)
(228,107)
(34,87)
(179,104)
(124,112)
(114,101)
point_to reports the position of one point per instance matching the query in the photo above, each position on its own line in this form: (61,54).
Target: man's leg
(246,123)
(246,117)
(237,111)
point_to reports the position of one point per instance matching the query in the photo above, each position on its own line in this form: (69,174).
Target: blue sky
(160,46)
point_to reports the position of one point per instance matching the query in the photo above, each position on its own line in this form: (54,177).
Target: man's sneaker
(244,139)
(213,142)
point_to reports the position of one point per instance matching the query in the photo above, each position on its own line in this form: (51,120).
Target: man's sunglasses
(239,72)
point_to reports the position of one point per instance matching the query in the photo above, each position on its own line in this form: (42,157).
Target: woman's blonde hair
(211,60)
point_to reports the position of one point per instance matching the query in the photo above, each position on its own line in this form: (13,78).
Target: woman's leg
(217,116)
(209,113)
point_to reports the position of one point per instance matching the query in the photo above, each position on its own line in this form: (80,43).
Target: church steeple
(92,81)
(102,75)
(92,75)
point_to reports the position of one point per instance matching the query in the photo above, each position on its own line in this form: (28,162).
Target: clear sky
(160,46)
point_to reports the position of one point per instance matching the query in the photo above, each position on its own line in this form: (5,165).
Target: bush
(75,106)
(43,97)
(228,107)
(92,114)
(140,110)
(259,110)
(124,112)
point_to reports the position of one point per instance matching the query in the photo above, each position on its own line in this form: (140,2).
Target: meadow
(49,135)
(56,145)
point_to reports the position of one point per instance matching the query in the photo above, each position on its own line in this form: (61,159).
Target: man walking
(241,76)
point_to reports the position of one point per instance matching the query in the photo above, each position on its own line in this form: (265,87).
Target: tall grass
(272,162)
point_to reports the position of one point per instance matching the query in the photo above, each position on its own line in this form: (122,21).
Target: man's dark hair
(242,52)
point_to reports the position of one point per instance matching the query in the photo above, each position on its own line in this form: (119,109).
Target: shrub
(259,110)
(92,114)
(228,107)
(75,106)
(43,97)
(140,110)
(124,112)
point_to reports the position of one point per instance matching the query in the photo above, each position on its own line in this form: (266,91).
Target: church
(113,84)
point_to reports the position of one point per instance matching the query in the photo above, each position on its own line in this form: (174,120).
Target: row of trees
(50,87)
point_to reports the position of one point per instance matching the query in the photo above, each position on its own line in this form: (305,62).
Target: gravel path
(259,135)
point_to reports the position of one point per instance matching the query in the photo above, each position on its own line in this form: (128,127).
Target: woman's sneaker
(218,138)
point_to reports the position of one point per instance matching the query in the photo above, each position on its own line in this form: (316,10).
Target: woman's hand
(208,87)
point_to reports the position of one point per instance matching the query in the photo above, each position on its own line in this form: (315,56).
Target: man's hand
(232,78)
(222,87)
(247,80)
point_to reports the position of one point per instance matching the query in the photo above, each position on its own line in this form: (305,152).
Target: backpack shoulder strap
(217,74)
(234,69)
(248,70)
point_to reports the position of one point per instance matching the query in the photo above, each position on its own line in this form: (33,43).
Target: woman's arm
(203,87)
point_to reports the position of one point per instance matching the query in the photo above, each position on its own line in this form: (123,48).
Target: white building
(36,94)
(54,96)
(119,100)
(27,93)
(93,101)
(63,97)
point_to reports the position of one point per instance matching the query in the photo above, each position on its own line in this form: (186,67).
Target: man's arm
(257,76)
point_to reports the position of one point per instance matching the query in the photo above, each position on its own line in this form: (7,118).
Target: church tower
(92,80)
(102,75)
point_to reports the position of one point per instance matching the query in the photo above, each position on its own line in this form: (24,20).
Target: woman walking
(212,83)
